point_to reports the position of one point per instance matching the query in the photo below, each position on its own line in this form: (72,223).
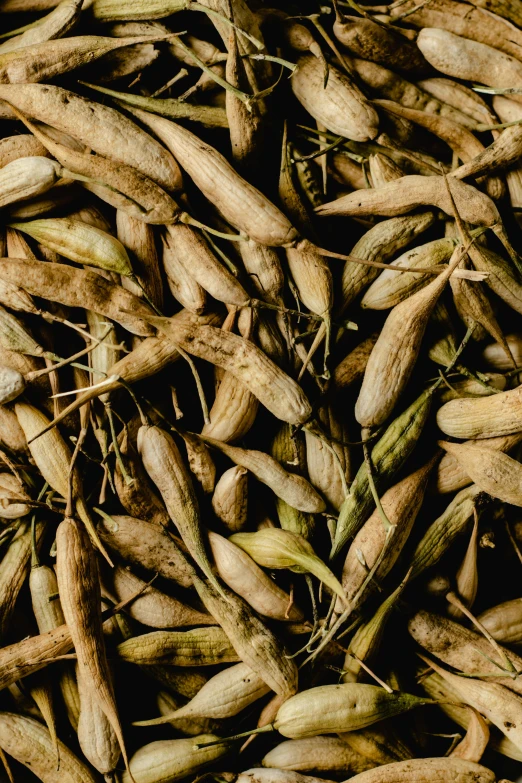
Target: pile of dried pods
(260,391)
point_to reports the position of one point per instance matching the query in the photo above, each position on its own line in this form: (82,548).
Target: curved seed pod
(380,243)
(260,775)
(388,456)
(294,489)
(194,254)
(15,338)
(198,647)
(76,288)
(100,127)
(96,737)
(12,489)
(53,458)
(475,23)
(43,61)
(460,97)
(78,585)
(504,151)
(172,760)
(316,755)
(493,471)
(451,770)
(401,504)
(152,607)
(484,417)
(226,694)
(393,287)
(451,475)
(338,708)
(380,43)
(79,242)
(496,703)
(440,535)
(438,688)
(264,269)
(379,743)
(469,387)
(23,146)
(181,282)
(233,411)
(328,471)
(351,368)
(383,170)
(25,178)
(230,498)
(145,545)
(340,106)
(313,279)
(244,577)
(469,60)
(55,24)
(461,648)
(26,740)
(390,85)
(275,548)
(246,123)
(289,449)
(12,435)
(14,568)
(412,191)
(165,467)
(466,580)
(137,237)
(504,621)
(240,203)
(502,278)
(255,644)
(272,387)
(367,638)
(394,355)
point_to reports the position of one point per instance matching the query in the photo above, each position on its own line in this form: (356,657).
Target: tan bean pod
(245,578)
(230,498)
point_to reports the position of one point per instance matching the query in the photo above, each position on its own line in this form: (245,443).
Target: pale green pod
(226,694)
(440,535)
(80,242)
(337,708)
(321,754)
(388,456)
(166,761)
(25,178)
(276,548)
